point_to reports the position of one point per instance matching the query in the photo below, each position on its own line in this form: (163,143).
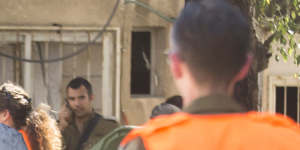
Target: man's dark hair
(164,109)
(77,82)
(175,100)
(212,37)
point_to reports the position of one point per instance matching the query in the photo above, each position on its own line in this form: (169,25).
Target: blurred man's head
(79,97)
(210,41)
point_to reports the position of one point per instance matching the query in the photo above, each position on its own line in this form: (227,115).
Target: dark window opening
(140,63)
(292,93)
(291,101)
(280,100)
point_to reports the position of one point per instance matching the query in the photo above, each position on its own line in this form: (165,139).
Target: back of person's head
(163,109)
(79,81)
(175,100)
(212,38)
(17,102)
(40,127)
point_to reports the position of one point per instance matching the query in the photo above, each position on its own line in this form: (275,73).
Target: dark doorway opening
(140,63)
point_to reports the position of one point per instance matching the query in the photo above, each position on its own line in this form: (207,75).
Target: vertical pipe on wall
(88,68)
(118,75)
(46,64)
(74,59)
(107,78)
(18,64)
(61,47)
(27,78)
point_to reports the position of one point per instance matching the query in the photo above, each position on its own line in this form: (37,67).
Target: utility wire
(82,49)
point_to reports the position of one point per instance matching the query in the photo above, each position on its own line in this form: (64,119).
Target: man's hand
(64,116)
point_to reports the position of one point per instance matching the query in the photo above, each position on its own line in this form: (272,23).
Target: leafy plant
(281,18)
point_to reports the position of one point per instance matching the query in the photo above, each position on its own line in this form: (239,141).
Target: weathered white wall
(94,13)
(281,67)
(78,12)
(280,71)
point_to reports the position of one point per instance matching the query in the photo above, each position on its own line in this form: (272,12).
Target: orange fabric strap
(26,139)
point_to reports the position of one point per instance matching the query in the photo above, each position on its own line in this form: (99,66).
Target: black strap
(88,130)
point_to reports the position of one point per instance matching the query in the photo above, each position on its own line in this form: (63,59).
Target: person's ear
(175,65)
(4,116)
(245,69)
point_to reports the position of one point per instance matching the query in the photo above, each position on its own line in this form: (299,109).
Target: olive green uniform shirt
(214,104)
(71,134)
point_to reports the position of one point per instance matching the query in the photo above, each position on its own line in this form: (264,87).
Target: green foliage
(280,18)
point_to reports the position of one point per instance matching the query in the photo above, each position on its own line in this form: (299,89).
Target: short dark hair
(175,100)
(77,82)
(212,37)
(164,109)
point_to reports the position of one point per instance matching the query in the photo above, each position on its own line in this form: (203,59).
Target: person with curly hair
(39,130)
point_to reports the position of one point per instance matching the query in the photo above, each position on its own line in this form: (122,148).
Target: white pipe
(70,28)
(107,79)
(88,68)
(118,75)
(27,66)
(74,59)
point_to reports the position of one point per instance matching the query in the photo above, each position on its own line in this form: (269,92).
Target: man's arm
(136,144)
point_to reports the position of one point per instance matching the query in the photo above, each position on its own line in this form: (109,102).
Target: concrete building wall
(93,14)
(279,73)
(83,13)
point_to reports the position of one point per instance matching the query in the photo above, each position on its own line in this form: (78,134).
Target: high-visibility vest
(248,131)
(26,139)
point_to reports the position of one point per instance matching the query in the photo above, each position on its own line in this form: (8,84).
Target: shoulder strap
(26,139)
(88,130)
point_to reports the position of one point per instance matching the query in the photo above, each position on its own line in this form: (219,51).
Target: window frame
(51,34)
(153,75)
(283,81)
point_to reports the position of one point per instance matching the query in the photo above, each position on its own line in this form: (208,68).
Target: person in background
(175,100)
(39,130)
(164,109)
(210,53)
(81,126)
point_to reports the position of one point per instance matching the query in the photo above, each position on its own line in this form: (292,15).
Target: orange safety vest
(26,139)
(248,131)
